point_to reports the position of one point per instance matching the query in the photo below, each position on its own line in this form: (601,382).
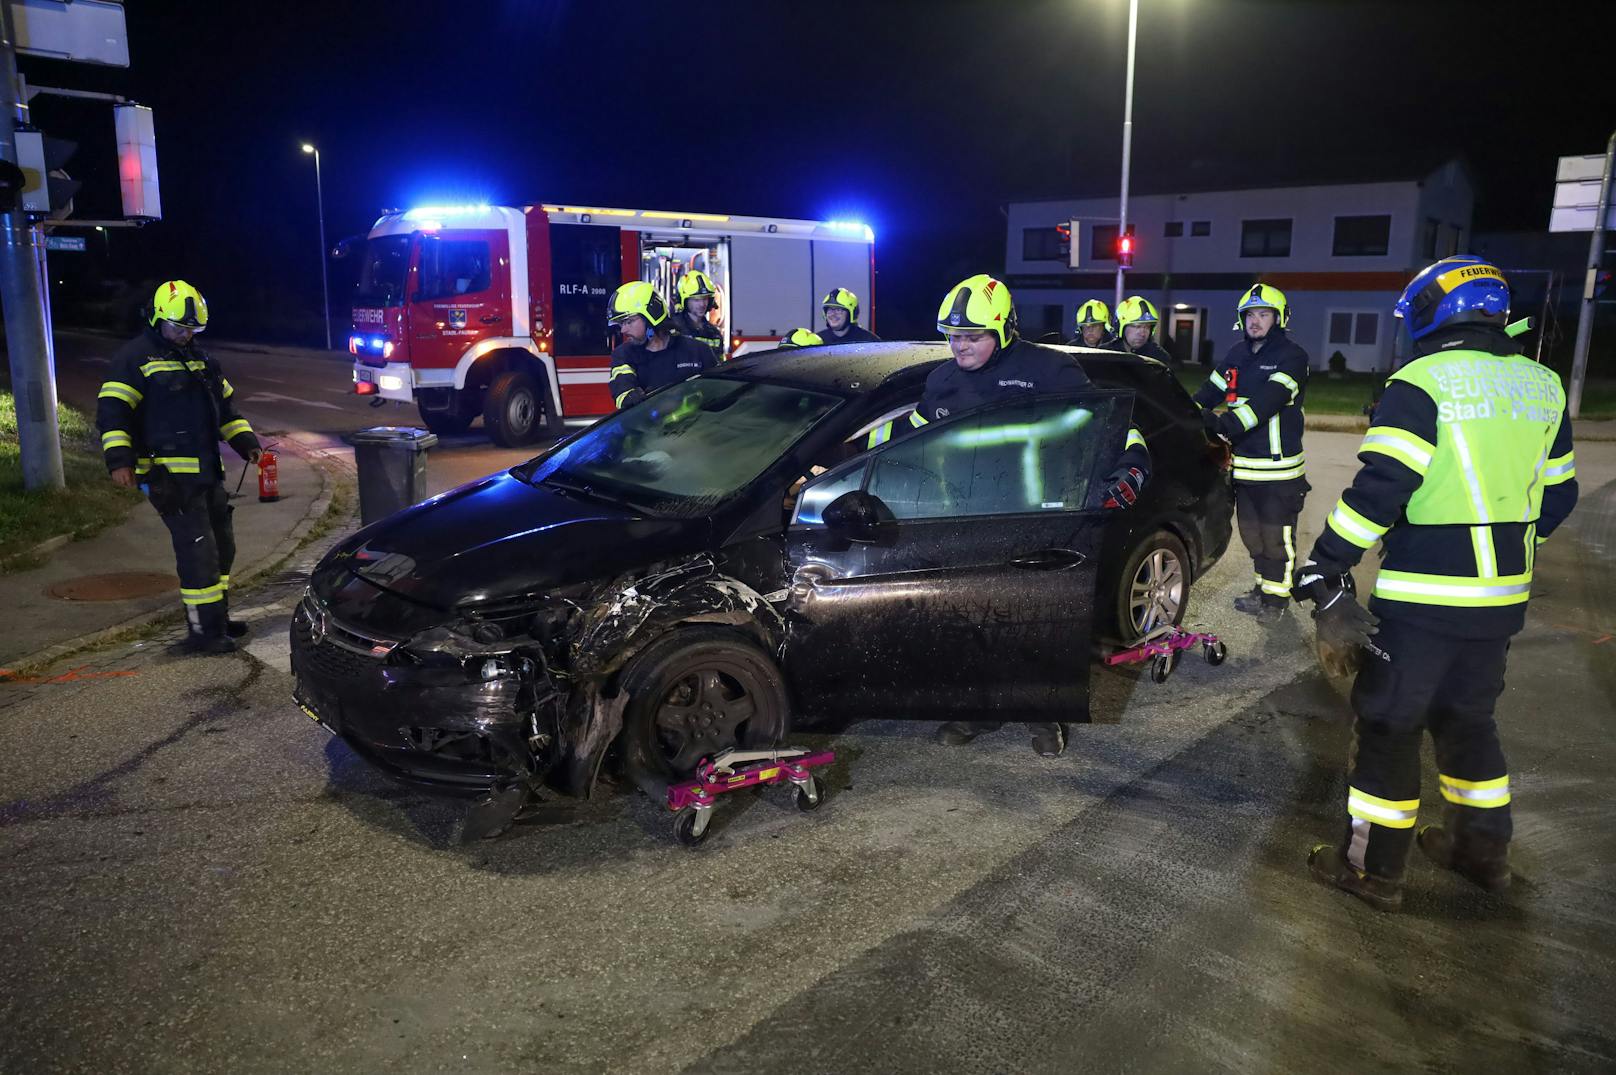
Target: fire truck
(500,311)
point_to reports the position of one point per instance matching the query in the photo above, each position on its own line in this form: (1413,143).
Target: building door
(1184,340)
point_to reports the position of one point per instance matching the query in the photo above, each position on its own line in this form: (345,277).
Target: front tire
(693,693)
(1152,589)
(514,409)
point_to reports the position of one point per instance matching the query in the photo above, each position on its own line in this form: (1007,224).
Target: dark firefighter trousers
(1266,513)
(1449,686)
(198,521)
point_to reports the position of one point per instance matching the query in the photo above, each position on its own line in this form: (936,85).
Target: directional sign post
(73,244)
(1582,202)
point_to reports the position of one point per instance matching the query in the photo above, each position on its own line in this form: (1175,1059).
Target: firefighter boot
(1481,860)
(1049,740)
(232,628)
(1327,864)
(1265,608)
(956,733)
(206,634)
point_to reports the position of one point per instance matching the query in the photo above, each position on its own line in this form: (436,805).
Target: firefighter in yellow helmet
(800,337)
(650,356)
(1093,325)
(1137,321)
(697,294)
(162,412)
(841,309)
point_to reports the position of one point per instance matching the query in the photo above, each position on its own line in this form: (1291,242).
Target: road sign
(1576,194)
(83,31)
(72,243)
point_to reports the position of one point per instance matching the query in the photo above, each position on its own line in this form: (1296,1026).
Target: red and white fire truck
(500,311)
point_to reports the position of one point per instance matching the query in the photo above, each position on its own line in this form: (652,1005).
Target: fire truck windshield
(381,275)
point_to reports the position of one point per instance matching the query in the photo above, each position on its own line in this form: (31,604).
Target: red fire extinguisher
(269,478)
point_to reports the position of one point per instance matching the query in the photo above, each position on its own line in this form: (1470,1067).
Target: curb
(44,548)
(288,545)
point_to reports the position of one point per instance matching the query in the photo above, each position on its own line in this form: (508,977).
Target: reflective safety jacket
(1264,421)
(638,371)
(855,334)
(1022,369)
(170,406)
(1467,468)
(701,330)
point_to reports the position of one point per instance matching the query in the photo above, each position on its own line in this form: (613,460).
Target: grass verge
(1349,393)
(88,505)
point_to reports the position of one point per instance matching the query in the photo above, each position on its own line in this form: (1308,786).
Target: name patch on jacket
(1011,383)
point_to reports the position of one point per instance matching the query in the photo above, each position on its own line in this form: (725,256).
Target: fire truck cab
(500,311)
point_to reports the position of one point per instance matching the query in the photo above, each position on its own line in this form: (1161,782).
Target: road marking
(273,397)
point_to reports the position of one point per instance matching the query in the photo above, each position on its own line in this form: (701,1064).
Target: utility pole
(28,339)
(319,204)
(1127,141)
(1596,256)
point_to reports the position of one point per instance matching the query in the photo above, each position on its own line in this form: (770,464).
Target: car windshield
(381,276)
(686,449)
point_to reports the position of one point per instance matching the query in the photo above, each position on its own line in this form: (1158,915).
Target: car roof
(858,368)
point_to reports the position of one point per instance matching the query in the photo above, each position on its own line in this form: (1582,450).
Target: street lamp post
(1127,141)
(319,202)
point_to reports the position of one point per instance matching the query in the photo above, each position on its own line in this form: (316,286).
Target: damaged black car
(729,560)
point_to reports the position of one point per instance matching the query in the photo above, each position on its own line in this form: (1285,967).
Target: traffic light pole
(1127,142)
(28,340)
(1585,316)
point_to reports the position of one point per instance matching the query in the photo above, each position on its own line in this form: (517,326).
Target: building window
(1174,229)
(1450,242)
(1362,236)
(1351,329)
(1103,243)
(1200,229)
(1265,238)
(1041,244)
(1428,237)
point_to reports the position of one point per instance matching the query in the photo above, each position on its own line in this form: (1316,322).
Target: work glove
(1122,488)
(1213,423)
(1344,627)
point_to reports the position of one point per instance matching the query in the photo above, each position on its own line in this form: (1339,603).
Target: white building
(1341,253)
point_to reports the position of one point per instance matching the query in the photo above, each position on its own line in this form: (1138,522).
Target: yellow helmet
(637,299)
(693,284)
(1135,310)
(978,304)
(180,303)
(800,337)
(843,298)
(1093,312)
(1263,296)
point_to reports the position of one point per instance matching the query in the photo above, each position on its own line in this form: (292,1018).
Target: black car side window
(1035,456)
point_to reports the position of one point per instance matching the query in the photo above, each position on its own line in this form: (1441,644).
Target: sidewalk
(39,627)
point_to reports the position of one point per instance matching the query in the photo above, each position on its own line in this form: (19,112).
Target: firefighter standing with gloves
(992,363)
(696,294)
(650,356)
(162,411)
(1262,381)
(1467,469)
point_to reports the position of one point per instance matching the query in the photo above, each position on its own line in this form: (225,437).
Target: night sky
(921,119)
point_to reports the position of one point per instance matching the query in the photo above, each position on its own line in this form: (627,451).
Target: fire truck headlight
(390,383)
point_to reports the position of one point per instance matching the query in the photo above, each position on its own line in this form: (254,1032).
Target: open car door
(951,574)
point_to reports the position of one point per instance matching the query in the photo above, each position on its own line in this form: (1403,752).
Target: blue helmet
(1454,290)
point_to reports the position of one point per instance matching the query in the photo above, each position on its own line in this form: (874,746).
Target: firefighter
(162,411)
(992,363)
(1467,469)
(1137,321)
(696,297)
(841,309)
(1093,325)
(1261,383)
(650,355)
(800,337)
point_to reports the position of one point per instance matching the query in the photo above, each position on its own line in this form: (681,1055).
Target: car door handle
(1049,560)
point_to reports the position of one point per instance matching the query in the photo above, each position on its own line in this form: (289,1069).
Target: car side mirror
(859,516)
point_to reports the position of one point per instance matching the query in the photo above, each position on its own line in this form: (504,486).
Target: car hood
(500,537)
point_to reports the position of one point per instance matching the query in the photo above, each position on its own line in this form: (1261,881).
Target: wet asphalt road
(198,878)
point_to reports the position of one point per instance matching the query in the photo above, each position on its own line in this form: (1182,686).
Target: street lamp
(106,238)
(319,202)
(1127,140)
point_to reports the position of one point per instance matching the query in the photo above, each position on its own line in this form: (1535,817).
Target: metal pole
(1127,140)
(28,341)
(1596,255)
(325,284)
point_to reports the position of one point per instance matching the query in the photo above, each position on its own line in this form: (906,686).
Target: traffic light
(1125,249)
(49,189)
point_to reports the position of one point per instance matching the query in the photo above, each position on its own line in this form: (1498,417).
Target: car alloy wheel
(1157,588)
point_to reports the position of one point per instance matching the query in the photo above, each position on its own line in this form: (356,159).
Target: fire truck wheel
(513,409)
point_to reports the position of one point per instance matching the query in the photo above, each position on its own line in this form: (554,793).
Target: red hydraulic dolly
(731,770)
(1163,647)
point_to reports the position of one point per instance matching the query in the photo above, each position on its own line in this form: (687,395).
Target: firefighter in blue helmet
(991,362)
(1261,382)
(1467,468)
(162,412)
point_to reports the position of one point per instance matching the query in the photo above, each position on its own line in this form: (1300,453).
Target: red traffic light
(1125,248)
